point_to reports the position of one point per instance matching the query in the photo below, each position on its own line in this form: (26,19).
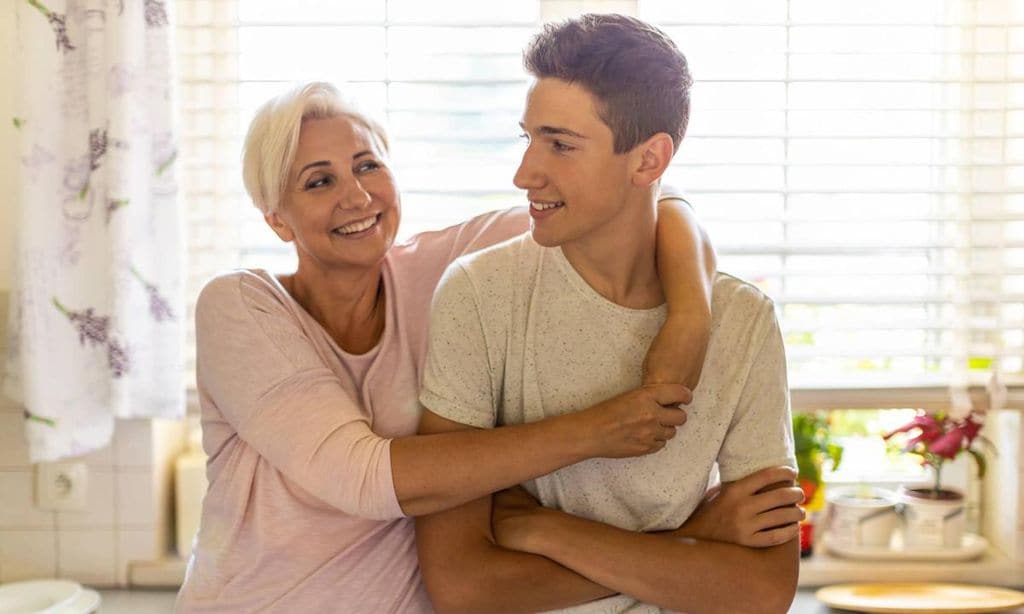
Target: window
(861,162)
(858,161)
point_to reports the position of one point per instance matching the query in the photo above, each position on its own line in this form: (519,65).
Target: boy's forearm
(465,571)
(490,578)
(677,574)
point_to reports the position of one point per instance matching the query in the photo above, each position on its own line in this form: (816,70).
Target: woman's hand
(677,352)
(758,511)
(635,423)
(512,518)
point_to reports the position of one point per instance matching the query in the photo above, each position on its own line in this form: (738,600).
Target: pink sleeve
(264,375)
(475,234)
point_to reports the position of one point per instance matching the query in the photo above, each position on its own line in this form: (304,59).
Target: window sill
(994,568)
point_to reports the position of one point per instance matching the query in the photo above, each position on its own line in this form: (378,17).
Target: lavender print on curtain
(96,316)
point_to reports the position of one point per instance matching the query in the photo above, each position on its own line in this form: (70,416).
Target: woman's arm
(271,388)
(440,471)
(687,267)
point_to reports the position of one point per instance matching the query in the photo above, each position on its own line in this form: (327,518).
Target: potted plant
(935,515)
(812,445)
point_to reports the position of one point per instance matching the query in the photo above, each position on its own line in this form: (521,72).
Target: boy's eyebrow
(555,130)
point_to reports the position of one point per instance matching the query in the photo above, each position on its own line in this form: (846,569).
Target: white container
(932,522)
(189,489)
(862,518)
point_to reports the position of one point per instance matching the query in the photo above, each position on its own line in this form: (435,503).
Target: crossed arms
(537,559)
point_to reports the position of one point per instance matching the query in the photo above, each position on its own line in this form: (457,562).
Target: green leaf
(979,458)
(835,452)
(985,441)
(18,122)
(167,163)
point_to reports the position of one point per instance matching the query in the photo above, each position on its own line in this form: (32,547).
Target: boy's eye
(525,137)
(561,147)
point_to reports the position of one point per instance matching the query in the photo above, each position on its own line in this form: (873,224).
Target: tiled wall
(1003,492)
(128,515)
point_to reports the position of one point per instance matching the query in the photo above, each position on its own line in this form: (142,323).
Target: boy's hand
(758,511)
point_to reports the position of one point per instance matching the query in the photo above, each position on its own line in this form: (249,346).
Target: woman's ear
(278,225)
(652,159)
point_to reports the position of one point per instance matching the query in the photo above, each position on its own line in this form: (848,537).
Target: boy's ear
(653,157)
(279,226)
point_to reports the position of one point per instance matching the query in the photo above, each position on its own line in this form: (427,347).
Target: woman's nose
(354,196)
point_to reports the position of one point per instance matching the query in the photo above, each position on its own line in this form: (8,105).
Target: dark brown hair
(638,75)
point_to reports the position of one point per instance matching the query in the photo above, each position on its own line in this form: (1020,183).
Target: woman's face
(340,205)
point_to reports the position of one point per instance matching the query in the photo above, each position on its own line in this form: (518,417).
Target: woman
(308,382)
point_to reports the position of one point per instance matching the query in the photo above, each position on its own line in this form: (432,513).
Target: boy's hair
(638,75)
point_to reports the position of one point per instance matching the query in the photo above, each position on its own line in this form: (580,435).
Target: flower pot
(861,517)
(932,519)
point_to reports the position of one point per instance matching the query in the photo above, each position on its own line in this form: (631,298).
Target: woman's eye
(561,147)
(525,137)
(370,165)
(317,182)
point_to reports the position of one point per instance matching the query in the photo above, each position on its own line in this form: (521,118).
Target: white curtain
(96,314)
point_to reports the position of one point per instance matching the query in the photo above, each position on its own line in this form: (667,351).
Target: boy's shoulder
(501,263)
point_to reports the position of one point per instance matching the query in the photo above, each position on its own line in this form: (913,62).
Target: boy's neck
(617,259)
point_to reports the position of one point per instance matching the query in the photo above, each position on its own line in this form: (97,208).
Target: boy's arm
(682,574)
(694,575)
(465,571)
(686,267)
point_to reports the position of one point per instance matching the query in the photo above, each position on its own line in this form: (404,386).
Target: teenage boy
(559,319)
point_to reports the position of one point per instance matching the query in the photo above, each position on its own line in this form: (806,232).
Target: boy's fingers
(764,479)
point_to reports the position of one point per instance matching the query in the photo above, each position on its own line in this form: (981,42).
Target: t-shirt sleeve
(761,433)
(263,373)
(457,382)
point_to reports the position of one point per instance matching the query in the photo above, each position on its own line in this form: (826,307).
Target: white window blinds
(444,76)
(862,163)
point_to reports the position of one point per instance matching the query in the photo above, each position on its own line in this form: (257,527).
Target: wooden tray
(920,598)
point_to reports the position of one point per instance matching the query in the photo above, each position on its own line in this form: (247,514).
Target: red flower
(947,446)
(969,428)
(930,430)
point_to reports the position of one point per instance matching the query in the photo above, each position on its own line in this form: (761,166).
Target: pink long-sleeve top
(301,513)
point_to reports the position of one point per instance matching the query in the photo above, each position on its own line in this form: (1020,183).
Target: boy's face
(576,184)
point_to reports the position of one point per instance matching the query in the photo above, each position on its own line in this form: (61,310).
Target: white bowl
(88,601)
(38,596)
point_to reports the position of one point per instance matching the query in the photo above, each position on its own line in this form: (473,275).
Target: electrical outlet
(62,486)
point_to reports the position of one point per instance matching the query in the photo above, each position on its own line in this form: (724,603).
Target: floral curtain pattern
(96,318)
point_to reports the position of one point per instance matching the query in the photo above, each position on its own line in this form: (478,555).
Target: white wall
(7,144)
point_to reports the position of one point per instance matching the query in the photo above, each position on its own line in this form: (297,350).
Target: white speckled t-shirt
(516,335)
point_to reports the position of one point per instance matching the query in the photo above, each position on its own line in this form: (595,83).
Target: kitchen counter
(162,602)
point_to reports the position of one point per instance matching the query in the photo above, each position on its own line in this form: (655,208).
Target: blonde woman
(308,381)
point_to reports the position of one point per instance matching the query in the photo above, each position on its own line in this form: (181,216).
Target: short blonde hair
(273,136)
